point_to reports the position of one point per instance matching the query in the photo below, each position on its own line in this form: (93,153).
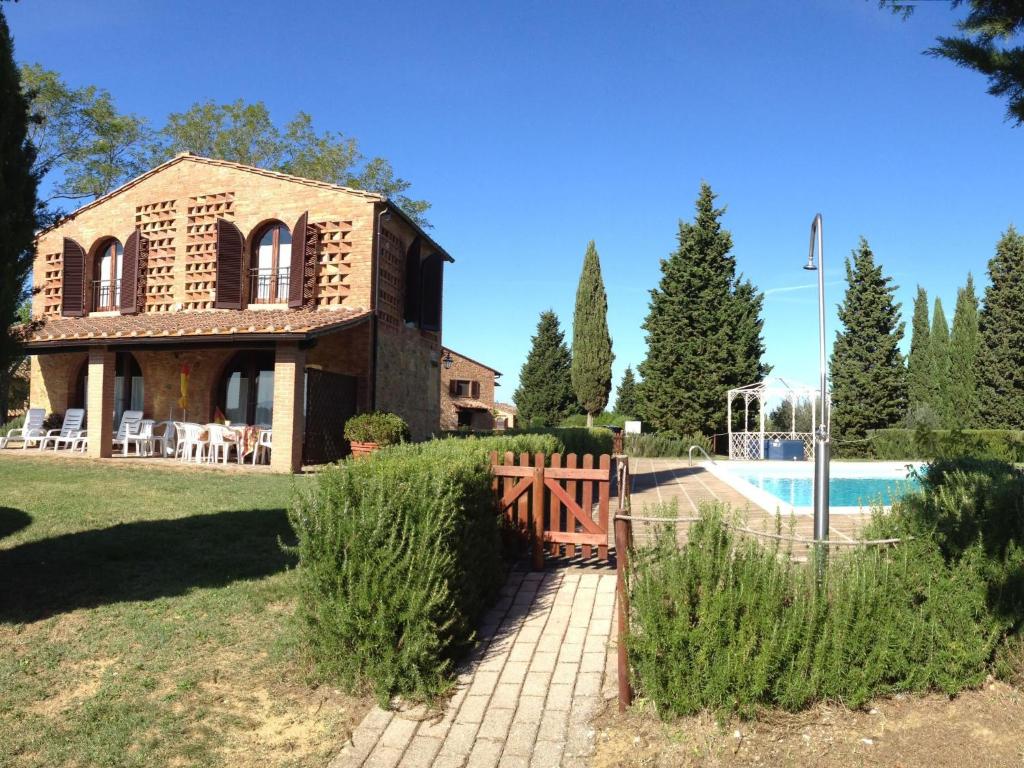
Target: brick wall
(465,369)
(408,381)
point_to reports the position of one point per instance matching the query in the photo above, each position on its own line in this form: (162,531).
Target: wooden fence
(556,502)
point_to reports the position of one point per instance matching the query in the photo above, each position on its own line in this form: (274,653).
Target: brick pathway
(526,696)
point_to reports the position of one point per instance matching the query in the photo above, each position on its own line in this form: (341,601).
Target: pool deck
(656,481)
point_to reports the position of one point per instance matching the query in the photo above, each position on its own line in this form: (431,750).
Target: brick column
(289,403)
(100,402)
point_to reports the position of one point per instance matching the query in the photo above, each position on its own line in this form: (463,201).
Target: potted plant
(367,432)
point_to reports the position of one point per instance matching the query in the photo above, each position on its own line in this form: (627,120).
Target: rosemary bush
(399,554)
(664,446)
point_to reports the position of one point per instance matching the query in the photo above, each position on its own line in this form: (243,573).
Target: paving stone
(495,724)
(522,651)
(472,709)
(521,738)
(559,698)
(459,740)
(549,643)
(383,757)
(421,752)
(570,652)
(530,709)
(592,662)
(505,696)
(546,754)
(536,683)
(485,754)
(484,682)
(565,672)
(398,733)
(514,672)
(588,684)
(513,761)
(543,662)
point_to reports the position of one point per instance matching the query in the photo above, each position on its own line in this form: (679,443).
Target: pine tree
(963,359)
(1001,328)
(869,378)
(703,330)
(591,344)
(545,396)
(938,353)
(17,205)
(625,396)
(919,367)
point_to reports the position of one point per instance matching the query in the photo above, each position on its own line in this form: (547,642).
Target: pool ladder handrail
(698,448)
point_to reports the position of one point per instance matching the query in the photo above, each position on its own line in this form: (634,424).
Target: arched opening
(107,265)
(245,394)
(270,268)
(128,386)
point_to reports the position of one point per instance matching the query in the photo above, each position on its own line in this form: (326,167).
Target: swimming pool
(788,486)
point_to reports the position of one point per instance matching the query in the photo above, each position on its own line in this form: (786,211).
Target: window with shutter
(73,279)
(229,266)
(475,390)
(302,281)
(432,291)
(412,282)
(133,274)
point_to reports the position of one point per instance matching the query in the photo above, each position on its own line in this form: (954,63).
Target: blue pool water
(843,491)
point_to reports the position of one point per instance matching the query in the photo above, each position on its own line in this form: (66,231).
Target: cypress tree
(17,205)
(919,367)
(963,359)
(545,396)
(938,352)
(703,329)
(869,378)
(625,397)
(591,344)
(1001,328)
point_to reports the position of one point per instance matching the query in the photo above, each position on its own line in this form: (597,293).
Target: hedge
(899,444)
(664,446)
(399,555)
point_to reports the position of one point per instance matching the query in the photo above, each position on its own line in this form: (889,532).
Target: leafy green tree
(80,138)
(1001,328)
(703,330)
(919,366)
(780,418)
(869,378)
(626,396)
(545,395)
(987,28)
(938,353)
(591,344)
(245,133)
(963,359)
(18,208)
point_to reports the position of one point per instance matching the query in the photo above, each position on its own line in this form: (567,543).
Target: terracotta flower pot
(362,449)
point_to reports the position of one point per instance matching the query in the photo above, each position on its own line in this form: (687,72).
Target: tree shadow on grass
(12,520)
(140,561)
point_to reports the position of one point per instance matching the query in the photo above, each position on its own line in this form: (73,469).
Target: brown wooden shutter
(302,278)
(432,291)
(453,387)
(133,274)
(412,282)
(73,279)
(230,244)
(476,390)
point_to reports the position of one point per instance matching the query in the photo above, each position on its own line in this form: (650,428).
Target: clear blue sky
(534,127)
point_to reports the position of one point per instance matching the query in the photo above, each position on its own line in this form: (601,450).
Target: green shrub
(16,423)
(925,443)
(377,427)
(605,419)
(664,446)
(578,440)
(399,554)
(729,624)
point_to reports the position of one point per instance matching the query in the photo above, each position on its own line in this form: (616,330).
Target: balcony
(269,286)
(106,295)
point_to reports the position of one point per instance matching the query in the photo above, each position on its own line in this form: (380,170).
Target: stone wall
(408,380)
(465,369)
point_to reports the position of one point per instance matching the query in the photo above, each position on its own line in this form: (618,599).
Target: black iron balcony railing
(106,295)
(268,286)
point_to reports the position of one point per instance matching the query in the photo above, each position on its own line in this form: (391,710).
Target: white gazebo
(747,445)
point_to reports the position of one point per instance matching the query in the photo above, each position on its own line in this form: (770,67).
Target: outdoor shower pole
(821,433)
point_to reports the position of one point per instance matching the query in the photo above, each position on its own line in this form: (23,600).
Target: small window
(106,276)
(461,388)
(271,270)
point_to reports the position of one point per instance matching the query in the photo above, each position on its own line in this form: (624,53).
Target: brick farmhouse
(467,393)
(287,301)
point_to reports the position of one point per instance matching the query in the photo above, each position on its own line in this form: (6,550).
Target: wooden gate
(557,503)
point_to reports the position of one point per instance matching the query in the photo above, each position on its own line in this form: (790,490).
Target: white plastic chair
(141,438)
(68,431)
(129,427)
(81,441)
(31,432)
(222,440)
(164,436)
(263,446)
(191,441)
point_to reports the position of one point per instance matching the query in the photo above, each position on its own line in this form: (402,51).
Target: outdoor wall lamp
(821,434)
(447,360)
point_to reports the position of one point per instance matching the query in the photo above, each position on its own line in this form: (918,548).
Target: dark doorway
(330,402)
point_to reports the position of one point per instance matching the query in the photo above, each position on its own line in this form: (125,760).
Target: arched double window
(246,391)
(108,265)
(271,265)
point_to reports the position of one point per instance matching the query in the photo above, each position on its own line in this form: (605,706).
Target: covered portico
(267,367)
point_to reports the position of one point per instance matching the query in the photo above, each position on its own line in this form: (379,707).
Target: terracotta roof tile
(471,405)
(211,323)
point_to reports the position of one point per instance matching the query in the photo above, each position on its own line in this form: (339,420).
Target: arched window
(106,276)
(246,391)
(128,386)
(271,265)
